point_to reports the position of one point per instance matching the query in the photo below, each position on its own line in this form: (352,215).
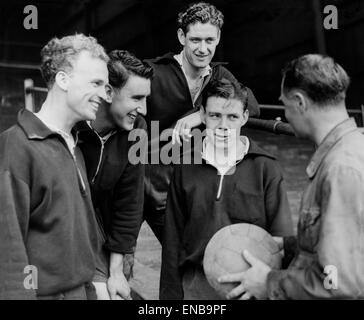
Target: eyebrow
(201,38)
(139,96)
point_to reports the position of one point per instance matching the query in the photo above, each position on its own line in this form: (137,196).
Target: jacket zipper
(103,142)
(100,159)
(220,187)
(79,174)
(80,178)
(219,190)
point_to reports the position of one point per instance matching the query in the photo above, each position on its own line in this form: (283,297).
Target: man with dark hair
(48,228)
(178,82)
(117,182)
(329,259)
(231,181)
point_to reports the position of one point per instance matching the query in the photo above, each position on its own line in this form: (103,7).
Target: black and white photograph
(205,152)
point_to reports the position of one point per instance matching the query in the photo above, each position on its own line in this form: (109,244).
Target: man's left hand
(253,282)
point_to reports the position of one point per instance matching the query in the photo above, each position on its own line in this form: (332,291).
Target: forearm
(116,267)
(127,210)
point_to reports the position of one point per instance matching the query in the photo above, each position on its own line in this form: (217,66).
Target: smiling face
(129,101)
(224,119)
(86,85)
(199,43)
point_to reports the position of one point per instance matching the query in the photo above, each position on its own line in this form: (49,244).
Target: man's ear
(218,36)
(181,37)
(245,117)
(301,101)
(203,115)
(62,80)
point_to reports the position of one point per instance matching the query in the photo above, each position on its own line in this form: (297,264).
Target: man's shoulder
(12,137)
(258,152)
(167,58)
(13,146)
(220,71)
(263,160)
(347,153)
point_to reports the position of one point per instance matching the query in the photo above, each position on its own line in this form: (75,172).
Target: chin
(201,64)
(126,126)
(91,117)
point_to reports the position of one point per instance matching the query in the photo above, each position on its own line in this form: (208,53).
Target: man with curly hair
(178,82)
(117,181)
(48,229)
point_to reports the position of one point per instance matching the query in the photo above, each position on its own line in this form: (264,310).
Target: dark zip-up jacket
(171,100)
(116,184)
(200,202)
(46,214)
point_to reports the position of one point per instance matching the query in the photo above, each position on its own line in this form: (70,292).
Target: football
(224,253)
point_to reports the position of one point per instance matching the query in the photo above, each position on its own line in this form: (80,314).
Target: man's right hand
(118,287)
(183,127)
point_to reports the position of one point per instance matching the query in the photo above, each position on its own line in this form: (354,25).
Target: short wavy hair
(122,64)
(226,89)
(320,77)
(202,12)
(60,54)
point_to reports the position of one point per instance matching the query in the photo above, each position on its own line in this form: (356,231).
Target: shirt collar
(179,58)
(328,143)
(104,137)
(208,154)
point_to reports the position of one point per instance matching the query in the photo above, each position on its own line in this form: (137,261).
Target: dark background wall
(258,38)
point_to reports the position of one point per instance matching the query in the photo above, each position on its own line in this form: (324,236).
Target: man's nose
(142,108)
(223,123)
(202,47)
(105,93)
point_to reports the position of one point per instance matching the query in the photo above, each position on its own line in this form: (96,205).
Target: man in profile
(46,215)
(329,257)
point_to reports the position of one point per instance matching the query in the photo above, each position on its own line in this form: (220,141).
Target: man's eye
(233,117)
(214,116)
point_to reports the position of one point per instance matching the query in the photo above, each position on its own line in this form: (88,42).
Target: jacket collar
(254,150)
(169,57)
(328,143)
(34,128)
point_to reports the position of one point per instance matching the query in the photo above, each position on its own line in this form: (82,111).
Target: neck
(102,125)
(56,112)
(234,147)
(326,120)
(191,71)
